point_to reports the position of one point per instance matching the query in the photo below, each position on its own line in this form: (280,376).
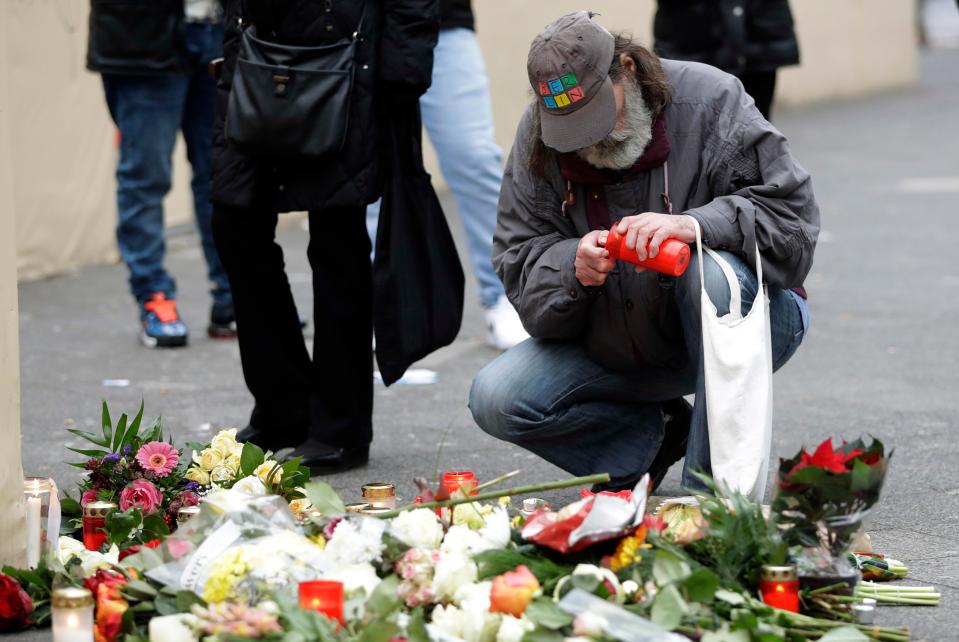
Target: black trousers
(761,85)
(328,397)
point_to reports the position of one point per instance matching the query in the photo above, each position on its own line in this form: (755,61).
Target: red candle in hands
(673,257)
(324,597)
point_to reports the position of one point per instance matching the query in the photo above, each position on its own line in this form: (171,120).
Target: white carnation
(452,572)
(418,528)
(471,621)
(357,542)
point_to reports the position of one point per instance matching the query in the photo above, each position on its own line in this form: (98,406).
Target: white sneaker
(504,329)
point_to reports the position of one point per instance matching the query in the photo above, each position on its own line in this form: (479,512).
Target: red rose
(15,605)
(133,550)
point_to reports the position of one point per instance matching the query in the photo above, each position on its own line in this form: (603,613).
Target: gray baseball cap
(568,67)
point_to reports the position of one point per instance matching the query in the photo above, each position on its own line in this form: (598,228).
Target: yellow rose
(224,442)
(300,507)
(232,462)
(263,471)
(222,474)
(198,475)
(210,459)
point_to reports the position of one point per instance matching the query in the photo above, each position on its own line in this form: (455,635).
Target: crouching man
(618,137)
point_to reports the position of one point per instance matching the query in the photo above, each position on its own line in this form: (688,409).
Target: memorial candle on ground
(72,615)
(37,493)
(94,524)
(779,587)
(462,480)
(323,596)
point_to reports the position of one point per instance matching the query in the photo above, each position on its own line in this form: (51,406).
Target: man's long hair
(649,76)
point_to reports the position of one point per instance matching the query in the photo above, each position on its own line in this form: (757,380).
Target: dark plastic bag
(417,276)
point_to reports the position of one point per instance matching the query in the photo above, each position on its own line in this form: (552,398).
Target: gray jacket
(728,167)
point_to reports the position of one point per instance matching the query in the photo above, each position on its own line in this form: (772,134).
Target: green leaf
(384,599)
(154,527)
(701,585)
(668,567)
(729,597)
(87,452)
(120,524)
(70,506)
(546,613)
(186,599)
(669,607)
(323,498)
(416,627)
(725,635)
(140,590)
(251,457)
(89,436)
(863,477)
(119,433)
(107,425)
(540,634)
(379,631)
(844,634)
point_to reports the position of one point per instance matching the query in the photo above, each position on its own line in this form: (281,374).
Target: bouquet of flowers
(133,466)
(821,501)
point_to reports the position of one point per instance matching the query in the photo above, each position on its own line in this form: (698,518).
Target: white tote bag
(737,357)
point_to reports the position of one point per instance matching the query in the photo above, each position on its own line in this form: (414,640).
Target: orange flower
(110,605)
(627,552)
(513,591)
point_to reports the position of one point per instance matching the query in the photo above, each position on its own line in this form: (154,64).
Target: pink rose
(141,494)
(87,497)
(189,499)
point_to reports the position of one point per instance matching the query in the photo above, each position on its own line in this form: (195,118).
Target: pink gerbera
(158,457)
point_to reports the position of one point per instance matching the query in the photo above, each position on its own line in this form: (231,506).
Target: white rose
(224,442)
(221,474)
(418,528)
(512,629)
(232,462)
(251,486)
(452,572)
(208,459)
(90,561)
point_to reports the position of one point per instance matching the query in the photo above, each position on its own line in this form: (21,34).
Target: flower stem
(598,478)
(498,480)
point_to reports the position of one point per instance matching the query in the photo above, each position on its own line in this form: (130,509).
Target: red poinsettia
(827,458)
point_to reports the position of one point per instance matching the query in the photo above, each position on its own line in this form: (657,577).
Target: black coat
(738,36)
(456,14)
(394,62)
(136,38)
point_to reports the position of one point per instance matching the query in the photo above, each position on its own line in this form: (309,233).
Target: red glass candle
(779,587)
(324,597)
(94,524)
(460,480)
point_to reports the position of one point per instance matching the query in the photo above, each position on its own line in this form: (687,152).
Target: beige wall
(62,151)
(12,542)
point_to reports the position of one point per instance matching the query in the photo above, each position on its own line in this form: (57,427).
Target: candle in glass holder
(72,615)
(323,596)
(357,507)
(186,513)
(94,524)
(380,495)
(779,587)
(463,480)
(37,494)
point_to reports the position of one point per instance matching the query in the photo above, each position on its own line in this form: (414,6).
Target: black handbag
(291,101)
(417,275)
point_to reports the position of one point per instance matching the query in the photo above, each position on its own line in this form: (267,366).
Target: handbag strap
(735,292)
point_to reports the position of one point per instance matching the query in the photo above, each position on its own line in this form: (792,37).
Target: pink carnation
(87,497)
(158,457)
(141,494)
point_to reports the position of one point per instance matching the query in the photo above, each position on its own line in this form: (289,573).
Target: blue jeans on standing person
(550,398)
(458,117)
(149,111)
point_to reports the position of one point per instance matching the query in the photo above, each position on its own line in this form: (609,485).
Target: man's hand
(592,260)
(650,229)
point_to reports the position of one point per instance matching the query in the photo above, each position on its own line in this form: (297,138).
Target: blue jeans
(149,111)
(459,120)
(550,398)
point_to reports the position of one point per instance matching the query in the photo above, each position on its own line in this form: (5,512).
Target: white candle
(72,615)
(34,506)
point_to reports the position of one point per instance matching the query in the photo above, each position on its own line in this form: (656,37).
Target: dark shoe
(677,415)
(162,327)
(323,459)
(274,440)
(222,321)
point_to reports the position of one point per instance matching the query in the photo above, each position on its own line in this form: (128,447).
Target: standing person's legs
(550,398)
(205,43)
(786,332)
(341,396)
(761,85)
(276,364)
(147,112)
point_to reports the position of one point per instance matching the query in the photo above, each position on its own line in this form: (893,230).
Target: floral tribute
(455,568)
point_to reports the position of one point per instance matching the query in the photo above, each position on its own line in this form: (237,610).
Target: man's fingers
(656,241)
(593,252)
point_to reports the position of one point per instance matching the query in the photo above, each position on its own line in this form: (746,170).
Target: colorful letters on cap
(561,92)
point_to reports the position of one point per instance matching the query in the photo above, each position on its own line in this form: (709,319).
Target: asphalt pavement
(880,358)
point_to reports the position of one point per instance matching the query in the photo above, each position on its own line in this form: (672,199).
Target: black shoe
(222,321)
(677,414)
(323,459)
(274,440)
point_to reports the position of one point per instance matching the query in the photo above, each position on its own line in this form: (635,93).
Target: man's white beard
(624,145)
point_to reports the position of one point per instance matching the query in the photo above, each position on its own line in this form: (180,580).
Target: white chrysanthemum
(418,528)
(357,542)
(452,572)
